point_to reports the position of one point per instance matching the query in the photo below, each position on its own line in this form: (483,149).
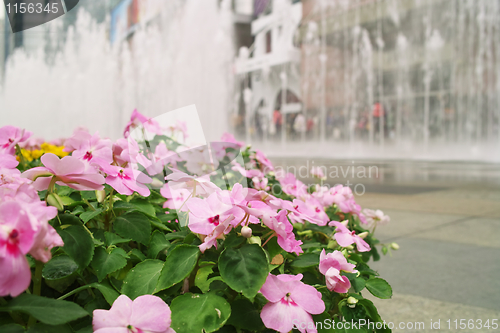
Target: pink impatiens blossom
(176,198)
(206,214)
(146,314)
(199,186)
(330,265)
(90,148)
(318,172)
(284,231)
(345,237)
(10,136)
(310,210)
(228,137)
(260,183)
(68,171)
(291,303)
(375,217)
(126,181)
(265,163)
(292,186)
(137,119)
(17,235)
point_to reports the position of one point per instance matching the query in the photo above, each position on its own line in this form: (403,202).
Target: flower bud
(332,244)
(351,302)
(345,223)
(156,183)
(254,240)
(246,232)
(363,235)
(54,200)
(349,247)
(100,195)
(394,246)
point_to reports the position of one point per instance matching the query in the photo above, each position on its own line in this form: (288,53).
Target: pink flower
(146,314)
(292,186)
(330,265)
(176,198)
(265,163)
(247,173)
(227,137)
(375,217)
(68,171)
(206,214)
(8,161)
(345,237)
(318,172)
(126,181)
(197,185)
(291,303)
(17,236)
(10,136)
(125,151)
(90,148)
(310,210)
(260,184)
(137,119)
(284,232)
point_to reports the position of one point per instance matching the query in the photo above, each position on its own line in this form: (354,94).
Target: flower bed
(147,235)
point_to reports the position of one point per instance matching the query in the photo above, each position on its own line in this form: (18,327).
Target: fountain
(395,79)
(182,57)
(373,78)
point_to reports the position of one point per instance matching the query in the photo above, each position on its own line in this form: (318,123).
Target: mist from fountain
(184,56)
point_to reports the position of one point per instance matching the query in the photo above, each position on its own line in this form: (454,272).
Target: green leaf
(157,244)
(199,313)
(59,267)
(245,269)
(179,263)
(113,239)
(47,310)
(379,288)
(135,226)
(87,216)
(358,283)
(245,316)
(12,328)
(78,244)
(142,206)
(44,328)
(306,260)
(109,293)
(105,263)
(201,277)
(69,219)
(142,279)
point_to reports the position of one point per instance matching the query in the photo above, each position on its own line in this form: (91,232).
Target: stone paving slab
(410,311)
(445,271)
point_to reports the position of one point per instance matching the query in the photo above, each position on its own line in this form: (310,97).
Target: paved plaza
(446,218)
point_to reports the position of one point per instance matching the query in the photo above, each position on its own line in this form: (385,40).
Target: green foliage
(78,244)
(142,279)
(199,313)
(244,269)
(135,226)
(180,262)
(47,310)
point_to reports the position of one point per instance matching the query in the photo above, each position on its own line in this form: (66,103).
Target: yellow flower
(26,155)
(56,150)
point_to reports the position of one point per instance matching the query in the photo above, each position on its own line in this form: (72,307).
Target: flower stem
(37,287)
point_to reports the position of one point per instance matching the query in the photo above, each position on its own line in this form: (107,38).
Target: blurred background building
(378,71)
